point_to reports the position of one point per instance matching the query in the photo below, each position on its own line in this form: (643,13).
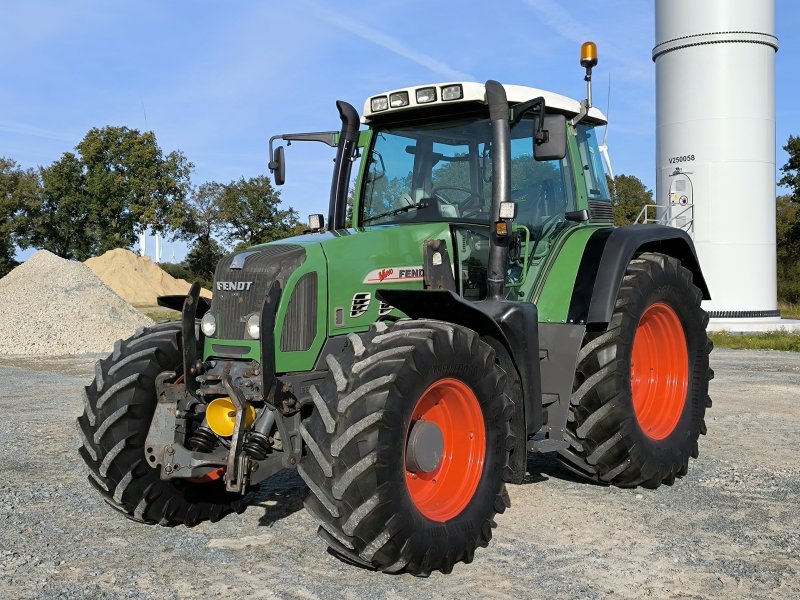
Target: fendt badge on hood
(234,286)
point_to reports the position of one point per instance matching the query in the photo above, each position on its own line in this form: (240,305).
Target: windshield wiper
(396,211)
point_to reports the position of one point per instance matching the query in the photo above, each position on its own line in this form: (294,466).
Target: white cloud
(30,130)
(391,44)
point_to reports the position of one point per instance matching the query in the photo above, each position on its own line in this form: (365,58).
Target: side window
(542,189)
(388,175)
(592,164)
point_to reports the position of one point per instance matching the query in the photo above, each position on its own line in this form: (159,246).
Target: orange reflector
(588,54)
(501,228)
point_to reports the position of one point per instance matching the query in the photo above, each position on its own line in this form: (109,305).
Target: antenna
(604,145)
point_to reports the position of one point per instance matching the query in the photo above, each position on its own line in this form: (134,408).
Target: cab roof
(476,93)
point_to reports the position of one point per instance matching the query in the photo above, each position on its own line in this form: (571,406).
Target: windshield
(442,172)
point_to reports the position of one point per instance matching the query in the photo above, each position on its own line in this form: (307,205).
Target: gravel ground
(730,529)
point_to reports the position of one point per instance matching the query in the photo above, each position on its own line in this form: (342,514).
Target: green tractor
(469,303)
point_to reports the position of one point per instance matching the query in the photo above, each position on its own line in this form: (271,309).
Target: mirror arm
(326,137)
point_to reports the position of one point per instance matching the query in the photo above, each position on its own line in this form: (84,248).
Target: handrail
(668,217)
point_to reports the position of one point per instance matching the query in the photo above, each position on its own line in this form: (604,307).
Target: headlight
(208,324)
(253,326)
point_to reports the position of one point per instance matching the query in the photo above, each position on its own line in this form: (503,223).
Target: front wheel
(408,446)
(118,409)
(641,386)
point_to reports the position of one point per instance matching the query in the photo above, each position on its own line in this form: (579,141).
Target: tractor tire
(641,387)
(375,505)
(118,409)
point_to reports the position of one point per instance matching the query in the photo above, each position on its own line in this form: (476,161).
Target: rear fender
(605,260)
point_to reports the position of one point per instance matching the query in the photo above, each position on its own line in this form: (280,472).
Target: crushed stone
(50,306)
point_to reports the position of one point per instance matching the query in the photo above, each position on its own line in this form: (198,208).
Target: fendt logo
(234,286)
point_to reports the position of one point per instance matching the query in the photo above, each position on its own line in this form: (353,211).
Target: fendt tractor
(469,302)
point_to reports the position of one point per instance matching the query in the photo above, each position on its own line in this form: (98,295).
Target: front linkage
(263,440)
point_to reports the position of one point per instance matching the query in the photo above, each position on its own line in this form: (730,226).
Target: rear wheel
(408,446)
(118,409)
(641,386)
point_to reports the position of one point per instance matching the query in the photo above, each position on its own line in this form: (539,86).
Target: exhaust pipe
(348,141)
(501,187)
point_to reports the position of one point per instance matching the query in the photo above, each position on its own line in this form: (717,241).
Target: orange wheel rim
(208,477)
(453,407)
(659,371)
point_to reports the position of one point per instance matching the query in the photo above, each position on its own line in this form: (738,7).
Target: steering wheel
(470,206)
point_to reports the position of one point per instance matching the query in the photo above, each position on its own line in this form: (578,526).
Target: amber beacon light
(588,55)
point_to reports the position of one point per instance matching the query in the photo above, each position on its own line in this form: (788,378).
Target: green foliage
(202,260)
(628,195)
(117,184)
(249,213)
(791,170)
(159,314)
(773,340)
(788,246)
(16,186)
(177,270)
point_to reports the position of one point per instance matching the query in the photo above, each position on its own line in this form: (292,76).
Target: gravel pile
(52,306)
(137,279)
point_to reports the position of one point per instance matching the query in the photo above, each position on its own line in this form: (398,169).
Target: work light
(426,94)
(452,92)
(379,103)
(398,99)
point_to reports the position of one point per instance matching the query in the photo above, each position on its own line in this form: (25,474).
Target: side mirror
(553,138)
(278,166)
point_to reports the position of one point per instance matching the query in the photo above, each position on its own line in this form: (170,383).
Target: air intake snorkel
(499,238)
(348,142)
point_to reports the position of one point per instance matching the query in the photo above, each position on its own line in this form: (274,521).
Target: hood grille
(261,267)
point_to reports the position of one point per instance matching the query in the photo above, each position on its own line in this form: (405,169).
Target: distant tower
(715,138)
(143,244)
(158,248)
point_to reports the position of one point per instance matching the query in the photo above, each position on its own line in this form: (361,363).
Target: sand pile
(52,306)
(136,278)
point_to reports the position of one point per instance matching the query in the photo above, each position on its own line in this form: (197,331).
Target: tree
(202,260)
(202,224)
(788,225)
(791,170)
(115,186)
(628,195)
(788,247)
(249,213)
(17,186)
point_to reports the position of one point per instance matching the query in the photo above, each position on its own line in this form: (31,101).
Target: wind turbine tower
(715,139)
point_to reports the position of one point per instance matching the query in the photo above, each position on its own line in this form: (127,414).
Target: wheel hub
(425,447)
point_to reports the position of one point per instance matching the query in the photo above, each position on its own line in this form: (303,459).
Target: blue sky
(217,79)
